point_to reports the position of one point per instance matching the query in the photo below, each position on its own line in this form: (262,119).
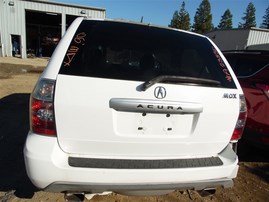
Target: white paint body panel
(51,162)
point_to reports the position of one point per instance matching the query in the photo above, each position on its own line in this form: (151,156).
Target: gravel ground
(17,79)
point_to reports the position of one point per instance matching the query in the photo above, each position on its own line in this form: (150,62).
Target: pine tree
(226,21)
(184,18)
(265,22)
(249,18)
(203,18)
(181,19)
(175,21)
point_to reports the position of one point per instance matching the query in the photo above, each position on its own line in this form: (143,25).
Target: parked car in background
(134,109)
(252,71)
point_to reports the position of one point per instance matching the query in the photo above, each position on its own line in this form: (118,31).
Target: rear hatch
(136,91)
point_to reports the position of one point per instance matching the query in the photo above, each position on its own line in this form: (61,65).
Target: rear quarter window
(117,50)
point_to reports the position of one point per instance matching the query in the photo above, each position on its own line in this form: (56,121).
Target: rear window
(247,64)
(117,50)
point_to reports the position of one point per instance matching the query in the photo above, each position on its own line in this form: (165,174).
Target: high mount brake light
(42,108)
(241,121)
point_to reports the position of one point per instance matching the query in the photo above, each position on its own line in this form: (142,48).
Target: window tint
(247,64)
(118,50)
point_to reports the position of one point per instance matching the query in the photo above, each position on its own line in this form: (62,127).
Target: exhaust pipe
(74,197)
(207,192)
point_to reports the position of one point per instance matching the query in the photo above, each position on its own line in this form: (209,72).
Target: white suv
(134,109)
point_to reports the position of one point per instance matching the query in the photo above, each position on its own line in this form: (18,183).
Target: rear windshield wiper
(179,79)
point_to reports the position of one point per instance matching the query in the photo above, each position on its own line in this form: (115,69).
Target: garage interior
(43,32)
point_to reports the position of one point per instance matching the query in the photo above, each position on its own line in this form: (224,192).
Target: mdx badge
(160,92)
(230,95)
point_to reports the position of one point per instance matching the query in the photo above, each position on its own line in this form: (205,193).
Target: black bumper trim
(143,164)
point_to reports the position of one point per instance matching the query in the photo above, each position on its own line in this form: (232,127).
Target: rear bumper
(48,168)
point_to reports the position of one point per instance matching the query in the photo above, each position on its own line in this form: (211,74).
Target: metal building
(240,39)
(34,27)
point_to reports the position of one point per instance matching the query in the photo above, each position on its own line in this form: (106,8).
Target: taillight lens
(241,121)
(42,108)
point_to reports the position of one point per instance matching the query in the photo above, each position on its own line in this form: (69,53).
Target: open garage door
(43,32)
(69,20)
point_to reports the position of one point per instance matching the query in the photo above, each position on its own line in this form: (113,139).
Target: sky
(160,12)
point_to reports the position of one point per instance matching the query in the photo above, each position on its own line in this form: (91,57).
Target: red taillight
(241,121)
(42,109)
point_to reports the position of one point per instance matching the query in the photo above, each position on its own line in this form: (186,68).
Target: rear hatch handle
(154,106)
(179,79)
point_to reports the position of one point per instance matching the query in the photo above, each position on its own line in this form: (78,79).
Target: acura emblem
(160,92)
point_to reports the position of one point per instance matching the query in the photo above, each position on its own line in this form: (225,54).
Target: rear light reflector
(241,121)
(42,108)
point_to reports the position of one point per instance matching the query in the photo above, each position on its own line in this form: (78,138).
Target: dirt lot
(17,79)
